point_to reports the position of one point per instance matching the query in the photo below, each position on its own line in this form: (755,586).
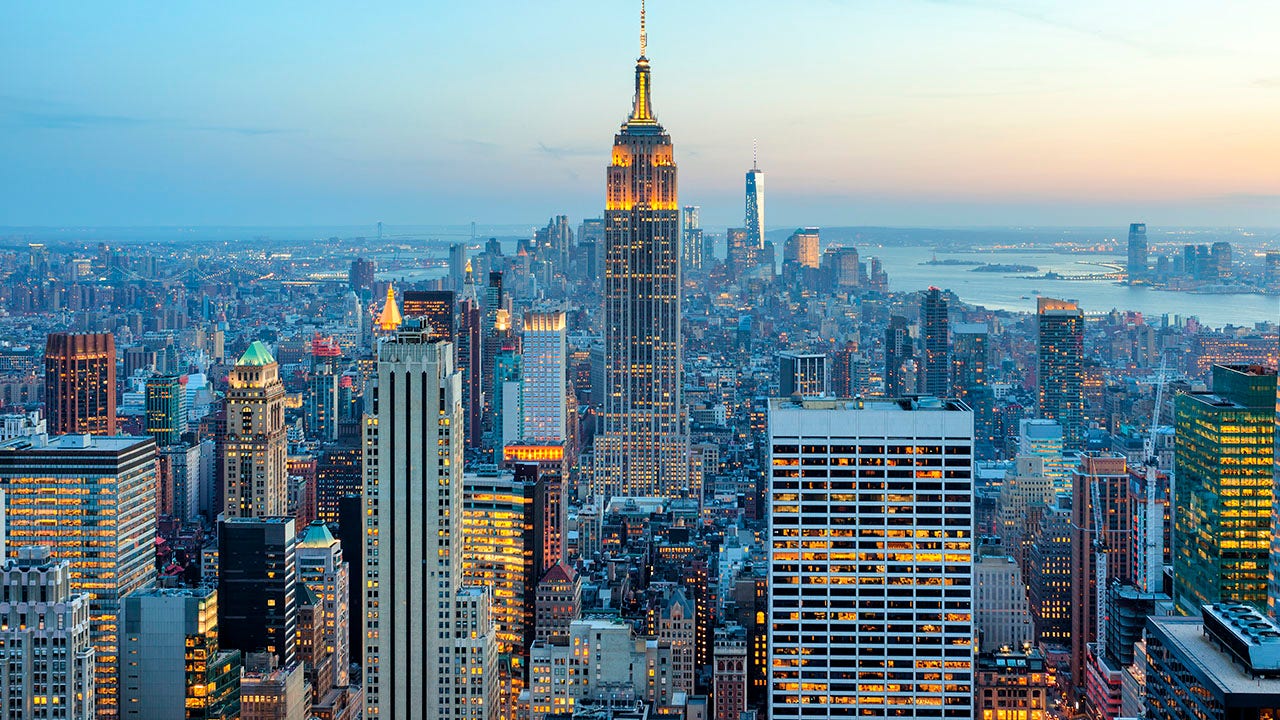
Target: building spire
(644,37)
(642,107)
(755,154)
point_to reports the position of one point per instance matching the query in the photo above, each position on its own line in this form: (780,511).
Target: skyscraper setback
(643,450)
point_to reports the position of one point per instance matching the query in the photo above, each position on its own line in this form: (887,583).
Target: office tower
(692,254)
(361,276)
(109,541)
(1012,683)
(271,691)
(677,626)
(754,219)
(839,624)
(327,576)
(184,474)
(1271,270)
(433,306)
(166,401)
(457,266)
(737,252)
(1223,488)
(80,383)
(643,449)
(1139,265)
(1000,609)
(558,602)
(254,447)
(1220,261)
(544,376)
(729,673)
(1060,368)
(803,248)
(899,353)
(805,374)
(45,640)
(1025,486)
(257,586)
(970,355)
(351,533)
(414,537)
(172,665)
(1219,664)
(1100,534)
(320,403)
(339,473)
(935,365)
(470,350)
(507,408)
(1049,573)
(491,333)
(1044,439)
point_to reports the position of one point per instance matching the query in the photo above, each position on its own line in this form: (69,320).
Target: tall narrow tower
(643,450)
(754,218)
(1060,376)
(254,471)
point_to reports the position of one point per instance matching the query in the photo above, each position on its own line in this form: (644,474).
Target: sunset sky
(894,112)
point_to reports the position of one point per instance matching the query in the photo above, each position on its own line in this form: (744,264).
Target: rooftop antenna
(644,38)
(755,154)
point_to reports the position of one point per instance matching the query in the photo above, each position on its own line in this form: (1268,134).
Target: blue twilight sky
(901,112)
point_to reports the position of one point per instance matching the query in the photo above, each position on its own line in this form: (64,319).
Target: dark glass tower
(80,383)
(434,306)
(643,450)
(1060,380)
(257,586)
(936,368)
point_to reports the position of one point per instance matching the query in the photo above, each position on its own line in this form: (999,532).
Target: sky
(865,112)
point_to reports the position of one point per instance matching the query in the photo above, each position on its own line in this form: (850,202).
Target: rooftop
(906,404)
(257,354)
(1206,659)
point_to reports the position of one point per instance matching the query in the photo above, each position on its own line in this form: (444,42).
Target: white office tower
(413,549)
(871,559)
(544,373)
(45,646)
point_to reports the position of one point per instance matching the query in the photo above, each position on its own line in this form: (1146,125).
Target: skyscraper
(643,449)
(435,307)
(691,252)
(1060,370)
(80,383)
(166,398)
(1223,488)
(544,377)
(470,349)
(257,586)
(91,500)
(173,665)
(859,588)
(805,374)
(413,535)
(323,570)
(754,218)
(44,632)
(1138,267)
(899,353)
(935,368)
(254,469)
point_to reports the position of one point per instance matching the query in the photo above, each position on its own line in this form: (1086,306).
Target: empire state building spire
(642,106)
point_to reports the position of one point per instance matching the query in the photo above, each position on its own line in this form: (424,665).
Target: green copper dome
(257,354)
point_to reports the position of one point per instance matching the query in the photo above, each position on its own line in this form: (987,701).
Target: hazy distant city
(666,457)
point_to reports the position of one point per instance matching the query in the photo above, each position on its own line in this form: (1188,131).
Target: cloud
(51,115)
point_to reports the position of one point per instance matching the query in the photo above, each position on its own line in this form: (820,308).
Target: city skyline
(929,113)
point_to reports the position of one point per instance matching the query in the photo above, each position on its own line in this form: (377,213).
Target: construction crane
(1151,519)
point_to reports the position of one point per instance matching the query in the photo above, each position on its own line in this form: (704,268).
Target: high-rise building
(255,447)
(729,673)
(754,218)
(1099,494)
(861,582)
(544,377)
(327,576)
(805,374)
(935,365)
(413,493)
(166,404)
(1049,573)
(803,248)
(899,352)
(1060,370)
(558,602)
(470,349)
(172,665)
(433,306)
(970,355)
(1014,684)
(1220,261)
(258,586)
(1219,664)
(80,383)
(271,691)
(90,499)
(457,266)
(361,276)
(45,644)
(1139,264)
(691,252)
(1001,613)
(1223,488)
(643,449)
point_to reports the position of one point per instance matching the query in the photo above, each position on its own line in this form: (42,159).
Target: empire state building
(643,449)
